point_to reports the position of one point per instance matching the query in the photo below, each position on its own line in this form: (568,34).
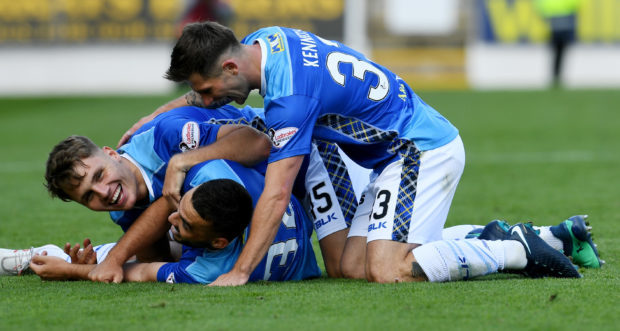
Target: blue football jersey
(290,257)
(151,147)
(322,89)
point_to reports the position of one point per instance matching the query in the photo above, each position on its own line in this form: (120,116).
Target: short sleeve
(290,121)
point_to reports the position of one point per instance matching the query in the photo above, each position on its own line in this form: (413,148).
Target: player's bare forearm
(148,228)
(265,222)
(141,272)
(268,213)
(178,102)
(194,99)
(190,98)
(242,144)
(238,143)
(54,268)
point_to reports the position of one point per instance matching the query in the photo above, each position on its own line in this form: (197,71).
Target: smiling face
(212,214)
(189,228)
(107,182)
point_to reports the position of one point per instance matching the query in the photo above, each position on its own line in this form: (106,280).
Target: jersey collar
(263,61)
(147,180)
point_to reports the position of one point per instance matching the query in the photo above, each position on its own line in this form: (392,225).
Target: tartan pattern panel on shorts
(339,176)
(356,129)
(407,189)
(404,148)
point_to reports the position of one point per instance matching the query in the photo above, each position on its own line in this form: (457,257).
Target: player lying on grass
(210,222)
(130,179)
(416,154)
(190,226)
(114,165)
(214,252)
(571,237)
(118,166)
(129,182)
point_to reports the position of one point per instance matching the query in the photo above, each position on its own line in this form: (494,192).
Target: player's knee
(352,269)
(377,274)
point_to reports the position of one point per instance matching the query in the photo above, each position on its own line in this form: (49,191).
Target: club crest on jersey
(190,136)
(276,43)
(279,138)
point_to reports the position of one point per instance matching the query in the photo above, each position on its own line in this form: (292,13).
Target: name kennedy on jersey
(280,137)
(190,136)
(308,49)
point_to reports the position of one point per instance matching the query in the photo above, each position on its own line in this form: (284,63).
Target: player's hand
(133,129)
(49,267)
(232,278)
(175,175)
(81,256)
(106,272)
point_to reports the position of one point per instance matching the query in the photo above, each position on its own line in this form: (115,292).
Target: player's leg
(525,252)
(571,237)
(451,260)
(330,202)
(353,264)
(412,199)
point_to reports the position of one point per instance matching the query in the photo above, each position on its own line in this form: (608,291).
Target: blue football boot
(542,259)
(577,241)
(495,230)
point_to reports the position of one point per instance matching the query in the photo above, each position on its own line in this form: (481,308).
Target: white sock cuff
(431,261)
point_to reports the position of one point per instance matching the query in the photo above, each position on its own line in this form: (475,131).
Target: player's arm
(148,228)
(53,268)
(142,272)
(190,98)
(266,219)
(238,143)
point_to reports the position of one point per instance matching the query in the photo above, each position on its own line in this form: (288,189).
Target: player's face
(220,90)
(107,183)
(188,227)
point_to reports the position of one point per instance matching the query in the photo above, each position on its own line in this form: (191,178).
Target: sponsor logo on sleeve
(280,137)
(190,136)
(171,279)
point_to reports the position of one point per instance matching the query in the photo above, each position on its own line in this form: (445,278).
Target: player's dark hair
(199,47)
(226,204)
(60,166)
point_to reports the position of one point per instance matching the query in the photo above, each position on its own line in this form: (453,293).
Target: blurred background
(69,47)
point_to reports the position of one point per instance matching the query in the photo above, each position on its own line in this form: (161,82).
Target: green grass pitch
(531,155)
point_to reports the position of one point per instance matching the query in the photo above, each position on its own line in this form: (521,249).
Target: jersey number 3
(375,93)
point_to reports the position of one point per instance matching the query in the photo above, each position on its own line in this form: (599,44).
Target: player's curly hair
(60,166)
(226,204)
(198,48)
